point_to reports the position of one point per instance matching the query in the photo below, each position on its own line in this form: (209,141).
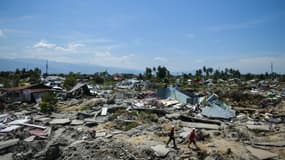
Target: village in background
(128,116)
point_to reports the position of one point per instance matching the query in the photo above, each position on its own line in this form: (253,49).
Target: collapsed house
(78,90)
(28,93)
(129,84)
(216,108)
(183,97)
(55,82)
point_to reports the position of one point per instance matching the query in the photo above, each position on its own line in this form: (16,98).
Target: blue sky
(180,34)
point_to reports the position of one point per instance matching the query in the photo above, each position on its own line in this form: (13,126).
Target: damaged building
(216,108)
(79,90)
(28,93)
(184,97)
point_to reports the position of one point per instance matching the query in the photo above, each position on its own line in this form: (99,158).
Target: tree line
(161,73)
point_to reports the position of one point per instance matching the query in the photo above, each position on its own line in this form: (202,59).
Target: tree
(198,73)
(98,79)
(35,75)
(236,74)
(162,72)
(185,76)
(226,72)
(217,74)
(70,81)
(140,77)
(210,70)
(248,76)
(148,73)
(154,69)
(17,71)
(204,69)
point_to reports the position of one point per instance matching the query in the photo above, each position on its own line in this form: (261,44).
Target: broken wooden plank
(59,121)
(33,125)
(193,119)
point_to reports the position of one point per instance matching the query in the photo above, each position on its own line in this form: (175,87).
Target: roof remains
(217,109)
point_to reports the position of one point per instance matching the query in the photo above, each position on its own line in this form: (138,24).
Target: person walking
(192,138)
(171,136)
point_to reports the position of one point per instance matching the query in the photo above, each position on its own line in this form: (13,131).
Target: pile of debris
(123,123)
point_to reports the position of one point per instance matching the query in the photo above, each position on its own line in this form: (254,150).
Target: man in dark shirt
(171,137)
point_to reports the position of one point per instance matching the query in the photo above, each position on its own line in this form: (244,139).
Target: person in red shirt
(192,138)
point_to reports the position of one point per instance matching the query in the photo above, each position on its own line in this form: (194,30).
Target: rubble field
(124,123)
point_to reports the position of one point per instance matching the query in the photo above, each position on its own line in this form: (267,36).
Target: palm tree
(204,69)
(211,70)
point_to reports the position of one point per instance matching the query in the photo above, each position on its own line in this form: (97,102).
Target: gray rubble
(122,123)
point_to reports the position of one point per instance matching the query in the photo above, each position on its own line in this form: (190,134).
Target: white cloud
(71,47)
(160,59)
(90,53)
(44,44)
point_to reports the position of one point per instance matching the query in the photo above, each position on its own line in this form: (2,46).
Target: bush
(70,81)
(48,102)
(46,107)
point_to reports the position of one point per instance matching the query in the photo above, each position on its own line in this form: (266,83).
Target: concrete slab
(258,127)
(59,121)
(76,122)
(271,144)
(43,119)
(160,150)
(10,128)
(100,134)
(30,139)
(200,125)
(260,153)
(9,143)
(58,115)
(8,156)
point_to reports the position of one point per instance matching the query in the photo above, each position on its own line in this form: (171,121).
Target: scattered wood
(193,119)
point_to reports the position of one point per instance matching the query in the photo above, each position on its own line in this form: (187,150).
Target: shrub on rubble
(46,107)
(48,102)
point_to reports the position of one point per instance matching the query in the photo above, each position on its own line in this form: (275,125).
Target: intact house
(28,93)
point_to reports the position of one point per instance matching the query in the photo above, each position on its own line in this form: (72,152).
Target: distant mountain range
(59,67)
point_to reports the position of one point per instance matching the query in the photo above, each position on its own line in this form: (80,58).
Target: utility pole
(271,67)
(46,68)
